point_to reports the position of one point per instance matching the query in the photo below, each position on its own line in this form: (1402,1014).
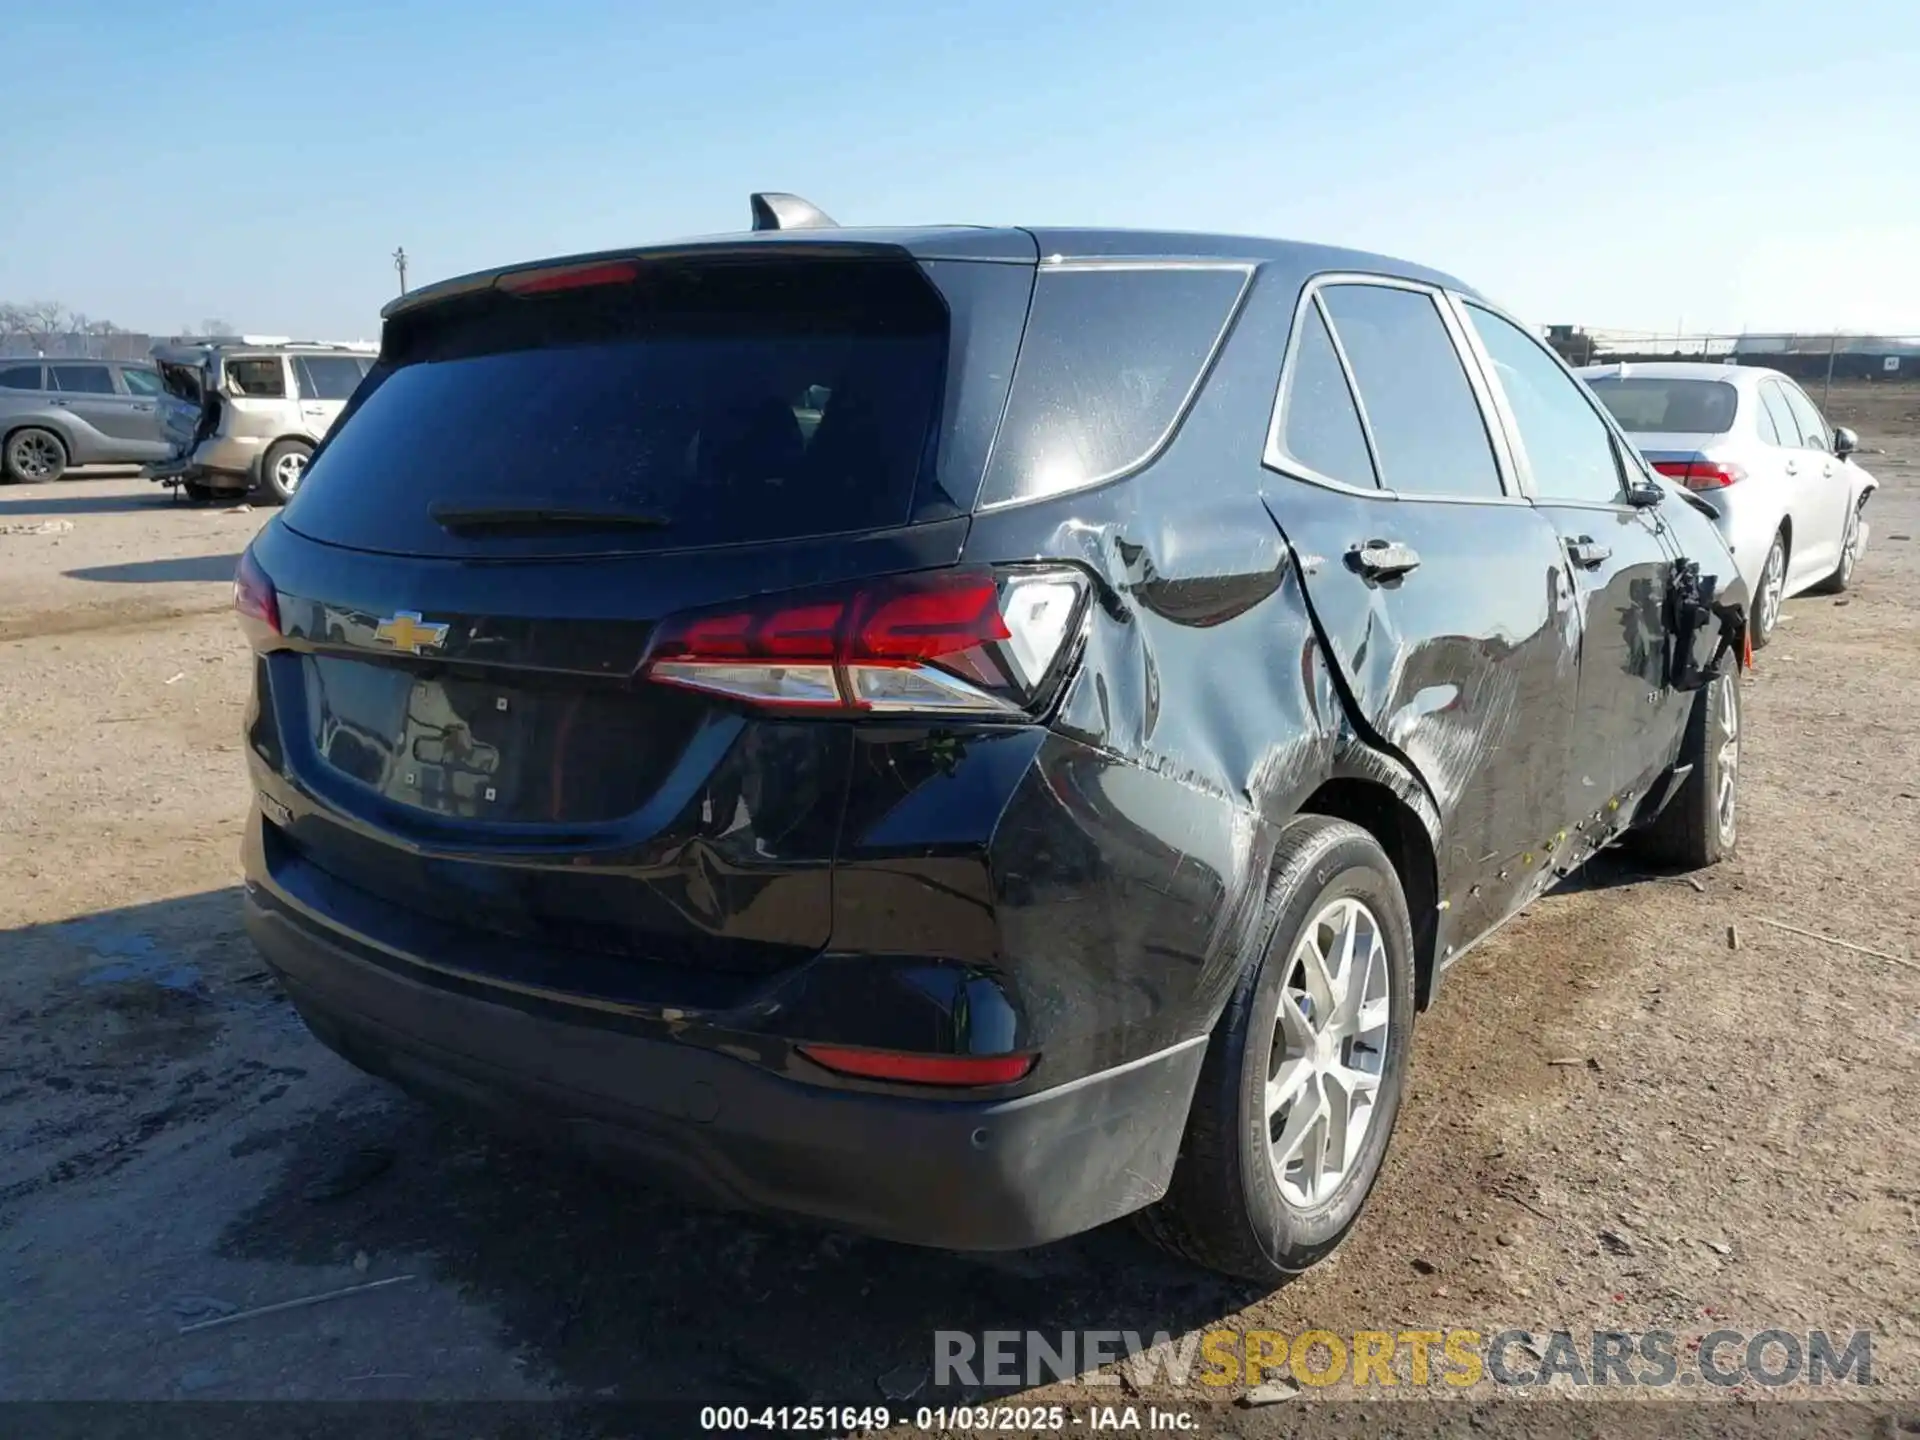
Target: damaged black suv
(963,734)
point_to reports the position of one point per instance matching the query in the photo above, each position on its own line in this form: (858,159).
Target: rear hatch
(530,480)
(181,404)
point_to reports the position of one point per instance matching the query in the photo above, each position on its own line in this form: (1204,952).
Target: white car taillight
(954,642)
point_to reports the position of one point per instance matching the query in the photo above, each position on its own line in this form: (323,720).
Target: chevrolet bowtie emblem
(405,630)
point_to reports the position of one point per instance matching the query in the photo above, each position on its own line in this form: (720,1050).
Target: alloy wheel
(1328,1052)
(1728,767)
(289,469)
(1850,547)
(1773,586)
(35,456)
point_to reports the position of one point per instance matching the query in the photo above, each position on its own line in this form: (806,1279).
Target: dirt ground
(1617,1119)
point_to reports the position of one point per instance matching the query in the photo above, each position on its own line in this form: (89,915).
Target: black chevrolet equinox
(963,734)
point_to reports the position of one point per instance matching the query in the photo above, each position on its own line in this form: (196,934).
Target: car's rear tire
(1771,592)
(1699,826)
(282,470)
(1247,1197)
(33,456)
(1842,576)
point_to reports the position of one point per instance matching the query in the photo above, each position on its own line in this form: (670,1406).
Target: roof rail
(777,210)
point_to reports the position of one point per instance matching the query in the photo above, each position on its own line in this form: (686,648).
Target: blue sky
(1627,164)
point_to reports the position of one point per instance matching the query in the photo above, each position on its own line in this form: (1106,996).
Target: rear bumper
(983,1175)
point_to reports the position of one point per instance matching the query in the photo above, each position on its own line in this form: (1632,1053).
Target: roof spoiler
(777,210)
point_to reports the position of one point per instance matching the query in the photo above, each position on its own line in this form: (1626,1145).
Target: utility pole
(400,264)
(1827,391)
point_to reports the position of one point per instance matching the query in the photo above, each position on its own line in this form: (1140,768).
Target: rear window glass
(327,377)
(733,402)
(141,382)
(1109,359)
(1649,406)
(20,377)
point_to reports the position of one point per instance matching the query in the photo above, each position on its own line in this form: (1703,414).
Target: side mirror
(1845,442)
(1645,494)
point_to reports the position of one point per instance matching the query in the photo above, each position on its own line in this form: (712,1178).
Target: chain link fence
(1812,358)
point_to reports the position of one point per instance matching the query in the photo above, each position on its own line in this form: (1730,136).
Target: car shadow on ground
(598,1285)
(156,572)
(607,1289)
(27,506)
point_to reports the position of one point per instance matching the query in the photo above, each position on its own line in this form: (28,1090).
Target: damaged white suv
(243,415)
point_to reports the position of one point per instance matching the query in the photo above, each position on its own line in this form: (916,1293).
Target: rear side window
(1568,447)
(1427,428)
(1813,430)
(1319,425)
(20,377)
(1669,407)
(1785,428)
(143,383)
(261,376)
(720,402)
(326,377)
(82,379)
(1110,357)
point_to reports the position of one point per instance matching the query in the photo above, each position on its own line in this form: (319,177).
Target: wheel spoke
(1287,1083)
(1307,1111)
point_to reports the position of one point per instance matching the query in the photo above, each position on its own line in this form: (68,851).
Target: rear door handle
(1384,559)
(1587,553)
(60,404)
(1793,467)
(143,409)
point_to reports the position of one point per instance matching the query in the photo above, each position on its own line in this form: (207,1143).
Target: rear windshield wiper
(532,519)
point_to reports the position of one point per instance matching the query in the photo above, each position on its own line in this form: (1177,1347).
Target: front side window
(1568,447)
(262,376)
(143,383)
(82,379)
(1319,425)
(1428,433)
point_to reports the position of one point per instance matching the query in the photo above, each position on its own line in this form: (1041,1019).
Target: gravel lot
(1617,1119)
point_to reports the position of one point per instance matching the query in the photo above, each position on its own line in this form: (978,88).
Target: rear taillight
(920,1069)
(960,642)
(1701,474)
(253,593)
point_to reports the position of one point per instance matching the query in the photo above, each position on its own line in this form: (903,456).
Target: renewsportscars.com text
(1217,1359)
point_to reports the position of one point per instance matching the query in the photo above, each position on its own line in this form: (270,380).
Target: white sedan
(1751,444)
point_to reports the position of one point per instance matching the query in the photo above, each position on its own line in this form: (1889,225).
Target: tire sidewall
(1353,867)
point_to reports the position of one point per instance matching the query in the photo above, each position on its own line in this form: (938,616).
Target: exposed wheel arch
(1398,829)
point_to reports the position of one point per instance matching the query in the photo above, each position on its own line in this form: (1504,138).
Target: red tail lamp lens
(253,595)
(960,642)
(911,1069)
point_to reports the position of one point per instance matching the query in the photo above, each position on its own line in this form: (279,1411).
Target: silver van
(57,413)
(245,414)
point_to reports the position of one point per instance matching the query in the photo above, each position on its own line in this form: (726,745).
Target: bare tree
(217,327)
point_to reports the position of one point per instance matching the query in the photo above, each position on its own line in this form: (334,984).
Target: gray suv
(56,413)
